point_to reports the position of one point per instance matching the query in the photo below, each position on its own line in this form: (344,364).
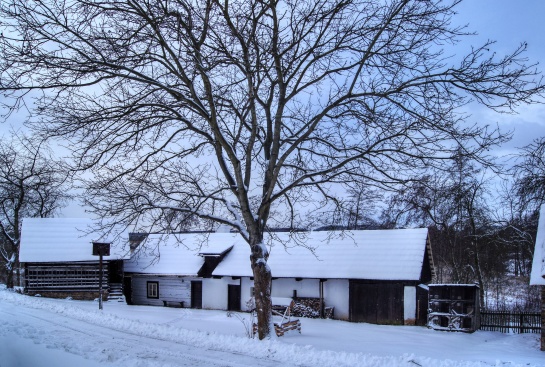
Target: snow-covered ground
(46,332)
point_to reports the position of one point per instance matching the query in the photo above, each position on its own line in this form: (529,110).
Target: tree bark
(9,277)
(262,287)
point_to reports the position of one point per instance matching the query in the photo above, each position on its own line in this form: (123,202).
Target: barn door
(363,302)
(233,297)
(376,303)
(196,294)
(390,303)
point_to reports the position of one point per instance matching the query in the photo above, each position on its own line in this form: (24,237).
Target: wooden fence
(511,322)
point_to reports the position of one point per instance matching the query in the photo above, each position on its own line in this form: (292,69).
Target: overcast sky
(509,22)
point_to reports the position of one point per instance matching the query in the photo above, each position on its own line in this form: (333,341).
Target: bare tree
(30,186)
(522,196)
(529,172)
(455,203)
(243,112)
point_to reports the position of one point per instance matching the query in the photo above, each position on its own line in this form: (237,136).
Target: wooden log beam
(543,318)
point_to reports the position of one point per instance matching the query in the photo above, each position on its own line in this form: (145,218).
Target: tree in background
(529,185)
(453,203)
(246,113)
(31,185)
(522,200)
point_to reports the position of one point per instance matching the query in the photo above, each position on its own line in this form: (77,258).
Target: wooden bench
(176,304)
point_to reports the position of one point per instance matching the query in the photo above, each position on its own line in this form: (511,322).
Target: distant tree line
(482,222)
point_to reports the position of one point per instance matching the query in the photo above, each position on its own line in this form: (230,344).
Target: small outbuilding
(454,307)
(537,276)
(56,256)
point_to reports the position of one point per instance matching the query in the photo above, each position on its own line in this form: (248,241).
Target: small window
(252,292)
(153,289)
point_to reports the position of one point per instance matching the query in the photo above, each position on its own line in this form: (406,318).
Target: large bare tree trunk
(9,277)
(262,287)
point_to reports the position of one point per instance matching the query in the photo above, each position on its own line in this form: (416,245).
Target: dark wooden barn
(57,260)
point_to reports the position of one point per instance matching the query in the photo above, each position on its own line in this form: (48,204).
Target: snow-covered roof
(178,254)
(538,263)
(396,254)
(66,239)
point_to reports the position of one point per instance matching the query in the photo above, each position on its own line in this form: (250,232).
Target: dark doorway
(115,271)
(196,294)
(127,289)
(233,297)
(421,306)
(376,303)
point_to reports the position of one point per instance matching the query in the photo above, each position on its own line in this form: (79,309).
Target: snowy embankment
(207,336)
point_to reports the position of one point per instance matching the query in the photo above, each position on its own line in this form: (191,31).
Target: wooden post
(543,318)
(100,282)
(101,249)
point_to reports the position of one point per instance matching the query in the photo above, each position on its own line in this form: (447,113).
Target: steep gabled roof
(178,254)
(65,240)
(538,264)
(396,254)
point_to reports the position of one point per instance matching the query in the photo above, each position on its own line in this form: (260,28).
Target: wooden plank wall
(171,288)
(66,276)
(376,303)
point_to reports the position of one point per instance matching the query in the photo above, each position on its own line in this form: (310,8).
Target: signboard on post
(100,249)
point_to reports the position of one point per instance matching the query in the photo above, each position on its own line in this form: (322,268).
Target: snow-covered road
(68,340)
(46,332)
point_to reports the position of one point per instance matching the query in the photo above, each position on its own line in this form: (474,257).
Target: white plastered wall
(409,305)
(284,287)
(214,292)
(336,295)
(245,293)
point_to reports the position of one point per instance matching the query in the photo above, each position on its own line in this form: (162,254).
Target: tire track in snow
(113,346)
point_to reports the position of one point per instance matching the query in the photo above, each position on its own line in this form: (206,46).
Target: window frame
(151,286)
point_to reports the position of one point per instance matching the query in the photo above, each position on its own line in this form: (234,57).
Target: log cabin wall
(79,280)
(169,288)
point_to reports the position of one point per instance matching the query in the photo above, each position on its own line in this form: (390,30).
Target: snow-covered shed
(366,276)
(56,255)
(537,276)
(168,269)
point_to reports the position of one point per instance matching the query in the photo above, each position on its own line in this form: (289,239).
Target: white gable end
(538,263)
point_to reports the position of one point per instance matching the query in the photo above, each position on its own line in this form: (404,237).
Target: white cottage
(168,270)
(365,276)
(362,276)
